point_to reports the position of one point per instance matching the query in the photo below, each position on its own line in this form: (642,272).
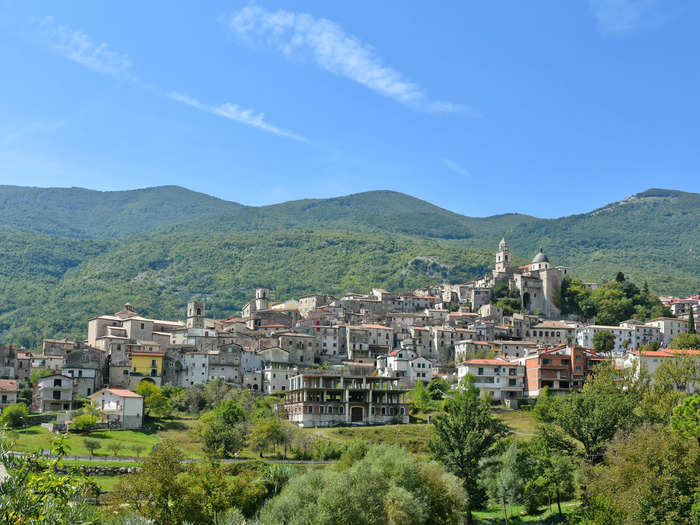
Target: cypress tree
(691,321)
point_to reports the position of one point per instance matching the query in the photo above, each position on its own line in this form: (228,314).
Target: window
(480,372)
(512,382)
(309,409)
(546,361)
(57,382)
(56,394)
(142,326)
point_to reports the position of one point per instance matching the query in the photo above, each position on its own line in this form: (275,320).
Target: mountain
(77,212)
(68,254)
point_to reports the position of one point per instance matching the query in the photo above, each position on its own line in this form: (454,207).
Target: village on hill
(349,360)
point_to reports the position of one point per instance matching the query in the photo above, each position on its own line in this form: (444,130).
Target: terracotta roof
(486,362)
(377,326)
(122,392)
(8,385)
(155,354)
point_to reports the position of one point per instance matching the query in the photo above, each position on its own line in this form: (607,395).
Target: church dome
(540,258)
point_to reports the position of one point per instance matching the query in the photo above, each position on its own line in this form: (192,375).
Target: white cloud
(78,47)
(334,50)
(452,165)
(233,112)
(620,17)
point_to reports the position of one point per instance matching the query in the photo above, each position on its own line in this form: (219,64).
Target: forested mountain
(68,254)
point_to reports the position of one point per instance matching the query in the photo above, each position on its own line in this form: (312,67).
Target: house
(8,362)
(624,338)
(87,367)
(321,398)
(54,392)
(121,406)
(8,392)
(146,366)
(48,362)
(669,327)
(276,377)
(406,364)
(499,378)
(562,369)
(420,369)
(24,365)
(551,333)
(651,360)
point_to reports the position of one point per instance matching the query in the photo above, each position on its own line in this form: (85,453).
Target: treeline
(612,302)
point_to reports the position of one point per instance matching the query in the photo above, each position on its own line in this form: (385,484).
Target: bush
(92,445)
(15,415)
(84,423)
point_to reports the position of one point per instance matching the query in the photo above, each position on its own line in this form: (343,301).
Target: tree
(265,432)
(83,423)
(673,381)
(154,401)
(386,486)
(463,435)
(155,492)
(686,341)
(15,415)
(92,445)
(38,374)
(437,388)
(691,321)
(138,448)
(603,341)
(420,397)
(597,413)
(505,485)
(620,277)
(648,477)
(35,491)
(115,446)
(222,429)
(686,417)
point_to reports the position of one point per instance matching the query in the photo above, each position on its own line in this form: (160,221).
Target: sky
(547,108)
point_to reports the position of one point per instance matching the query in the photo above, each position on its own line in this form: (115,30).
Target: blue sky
(547,108)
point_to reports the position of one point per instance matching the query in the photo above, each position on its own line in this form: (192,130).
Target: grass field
(516,515)
(38,438)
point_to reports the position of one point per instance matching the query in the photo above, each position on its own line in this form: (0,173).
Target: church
(539,283)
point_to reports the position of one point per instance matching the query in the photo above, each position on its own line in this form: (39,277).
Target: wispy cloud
(620,17)
(334,50)
(452,165)
(233,112)
(101,58)
(80,48)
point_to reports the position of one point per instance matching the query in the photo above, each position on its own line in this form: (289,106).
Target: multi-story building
(406,365)
(499,378)
(87,366)
(121,406)
(53,393)
(651,360)
(302,348)
(8,392)
(276,377)
(669,328)
(24,365)
(561,369)
(146,366)
(625,338)
(551,333)
(8,362)
(328,398)
(366,342)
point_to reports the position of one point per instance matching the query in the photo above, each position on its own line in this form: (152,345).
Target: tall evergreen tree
(691,321)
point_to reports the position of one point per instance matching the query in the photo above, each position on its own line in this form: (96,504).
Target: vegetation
(15,415)
(58,258)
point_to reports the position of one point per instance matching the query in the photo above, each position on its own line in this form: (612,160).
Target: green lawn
(106,483)
(414,438)
(516,515)
(37,437)
(520,421)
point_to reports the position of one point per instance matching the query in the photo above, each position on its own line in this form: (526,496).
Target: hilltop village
(349,359)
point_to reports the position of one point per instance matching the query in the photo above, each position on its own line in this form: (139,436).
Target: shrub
(15,415)
(84,423)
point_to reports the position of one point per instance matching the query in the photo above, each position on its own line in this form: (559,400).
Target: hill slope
(69,254)
(77,212)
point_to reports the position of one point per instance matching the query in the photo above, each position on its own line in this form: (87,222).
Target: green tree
(421,399)
(603,341)
(505,485)
(38,374)
(155,492)
(620,277)
(265,433)
(647,478)
(138,449)
(154,401)
(35,491)
(15,415)
(691,321)
(463,435)
(685,341)
(597,413)
(115,446)
(223,429)
(686,417)
(83,423)
(92,445)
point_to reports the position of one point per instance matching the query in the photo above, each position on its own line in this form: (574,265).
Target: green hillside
(68,254)
(77,212)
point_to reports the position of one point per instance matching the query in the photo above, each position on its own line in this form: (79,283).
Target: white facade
(195,369)
(420,369)
(502,379)
(669,328)
(275,378)
(625,338)
(120,405)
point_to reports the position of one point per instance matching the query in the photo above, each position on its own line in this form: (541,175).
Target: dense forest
(70,253)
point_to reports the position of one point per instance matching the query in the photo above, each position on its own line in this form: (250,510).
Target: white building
(195,368)
(53,393)
(669,327)
(122,406)
(625,338)
(420,369)
(8,392)
(276,376)
(652,360)
(500,378)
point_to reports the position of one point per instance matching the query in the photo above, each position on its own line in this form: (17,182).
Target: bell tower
(195,314)
(502,257)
